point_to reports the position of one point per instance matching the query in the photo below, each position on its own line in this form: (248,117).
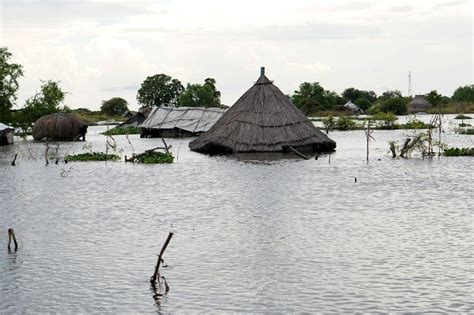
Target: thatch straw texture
(59,126)
(418,104)
(262,120)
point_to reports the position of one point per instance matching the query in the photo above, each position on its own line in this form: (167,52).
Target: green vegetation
(156,158)
(329,123)
(159,90)
(464,94)
(469,131)
(458,152)
(385,120)
(114,106)
(415,123)
(462,116)
(122,131)
(92,156)
(346,123)
(205,95)
(312,97)
(9,74)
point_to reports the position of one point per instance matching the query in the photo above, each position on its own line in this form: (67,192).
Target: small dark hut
(6,134)
(263,120)
(418,104)
(59,126)
(135,120)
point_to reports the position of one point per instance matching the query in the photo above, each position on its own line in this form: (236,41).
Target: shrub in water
(92,156)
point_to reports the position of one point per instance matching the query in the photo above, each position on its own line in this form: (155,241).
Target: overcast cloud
(102,49)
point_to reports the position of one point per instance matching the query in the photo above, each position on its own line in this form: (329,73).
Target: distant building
(419,104)
(353,107)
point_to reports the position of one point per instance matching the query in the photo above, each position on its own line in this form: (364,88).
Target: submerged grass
(458,152)
(122,131)
(92,156)
(156,158)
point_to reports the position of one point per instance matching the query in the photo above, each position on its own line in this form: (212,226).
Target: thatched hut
(263,120)
(418,104)
(59,126)
(6,134)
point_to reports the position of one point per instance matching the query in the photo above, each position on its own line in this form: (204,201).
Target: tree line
(163,90)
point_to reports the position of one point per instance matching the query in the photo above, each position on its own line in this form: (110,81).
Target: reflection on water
(284,235)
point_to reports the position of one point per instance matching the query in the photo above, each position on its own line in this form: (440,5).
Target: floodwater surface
(285,235)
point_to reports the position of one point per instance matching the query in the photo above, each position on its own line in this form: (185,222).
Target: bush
(387,120)
(458,152)
(345,123)
(462,116)
(415,123)
(397,105)
(92,156)
(469,131)
(122,131)
(156,158)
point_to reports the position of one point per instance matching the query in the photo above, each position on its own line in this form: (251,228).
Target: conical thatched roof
(59,126)
(262,120)
(419,103)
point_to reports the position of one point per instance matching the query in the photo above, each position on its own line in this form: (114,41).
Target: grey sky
(101,49)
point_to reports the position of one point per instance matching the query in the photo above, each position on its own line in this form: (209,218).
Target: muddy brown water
(284,235)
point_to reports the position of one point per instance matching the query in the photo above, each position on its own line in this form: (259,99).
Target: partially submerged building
(59,127)
(179,121)
(6,134)
(418,104)
(135,120)
(353,107)
(263,120)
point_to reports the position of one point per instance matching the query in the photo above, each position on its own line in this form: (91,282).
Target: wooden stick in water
(11,236)
(157,267)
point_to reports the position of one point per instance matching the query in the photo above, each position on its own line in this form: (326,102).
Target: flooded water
(285,235)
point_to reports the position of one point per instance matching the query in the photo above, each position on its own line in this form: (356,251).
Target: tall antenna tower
(409,83)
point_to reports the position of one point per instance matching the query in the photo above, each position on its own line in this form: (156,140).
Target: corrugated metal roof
(191,119)
(352,106)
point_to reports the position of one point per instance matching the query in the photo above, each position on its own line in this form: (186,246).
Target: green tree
(396,105)
(114,106)
(46,102)
(204,95)
(390,94)
(9,74)
(363,103)
(159,90)
(313,97)
(435,99)
(353,94)
(464,94)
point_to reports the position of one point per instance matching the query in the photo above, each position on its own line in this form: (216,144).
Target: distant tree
(464,94)
(354,94)
(311,97)
(204,95)
(114,106)
(159,90)
(390,94)
(396,105)
(48,101)
(9,74)
(436,99)
(363,103)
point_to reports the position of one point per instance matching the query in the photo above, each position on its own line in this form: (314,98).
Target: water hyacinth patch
(92,156)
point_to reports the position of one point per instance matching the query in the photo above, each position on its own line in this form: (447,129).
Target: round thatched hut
(418,104)
(263,120)
(59,126)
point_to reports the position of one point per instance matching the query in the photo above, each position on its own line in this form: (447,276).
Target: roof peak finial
(262,71)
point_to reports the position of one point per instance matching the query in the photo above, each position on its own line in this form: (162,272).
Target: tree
(390,94)
(435,99)
(46,102)
(313,97)
(204,95)
(363,103)
(354,94)
(114,106)
(464,94)
(159,90)
(9,74)
(396,105)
